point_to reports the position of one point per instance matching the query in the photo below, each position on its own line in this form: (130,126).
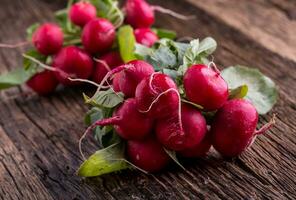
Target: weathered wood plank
(265,23)
(18,180)
(42,133)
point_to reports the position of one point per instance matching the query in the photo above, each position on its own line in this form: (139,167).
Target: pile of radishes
(98,36)
(152,119)
(83,44)
(156,99)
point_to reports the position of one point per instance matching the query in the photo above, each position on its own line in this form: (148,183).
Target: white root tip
(104,63)
(47,67)
(172,13)
(13,46)
(88,130)
(214,67)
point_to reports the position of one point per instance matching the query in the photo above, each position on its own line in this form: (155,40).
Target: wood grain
(38,136)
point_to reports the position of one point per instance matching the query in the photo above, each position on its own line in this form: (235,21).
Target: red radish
(157,96)
(115,82)
(205,86)
(234,127)
(131,76)
(189,133)
(139,13)
(48,39)
(72,62)
(199,150)
(146,36)
(82,12)
(98,36)
(43,83)
(147,154)
(128,122)
(104,64)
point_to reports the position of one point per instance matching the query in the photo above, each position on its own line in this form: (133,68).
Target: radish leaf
(239,92)
(173,156)
(127,43)
(104,161)
(15,78)
(262,91)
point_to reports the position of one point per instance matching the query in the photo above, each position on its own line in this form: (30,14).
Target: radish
(187,133)
(48,39)
(199,150)
(98,36)
(106,63)
(147,154)
(146,36)
(43,83)
(134,72)
(128,122)
(139,13)
(205,86)
(130,76)
(234,127)
(82,12)
(157,96)
(115,82)
(72,62)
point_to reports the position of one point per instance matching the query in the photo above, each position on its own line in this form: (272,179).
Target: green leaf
(164,33)
(262,91)
(109,9)
(197,53)
(15,78)
(163,58)
(167,54)
(93,115)
(29,64)
(142,52)
(105,99)
(173,156)
(207,46)
(127,42)
(239,92)
(171,72)
(30,31)
(108,160)
(107,136)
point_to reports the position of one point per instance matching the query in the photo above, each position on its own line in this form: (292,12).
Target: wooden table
(38,136)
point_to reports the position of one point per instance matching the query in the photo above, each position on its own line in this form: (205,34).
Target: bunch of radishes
(84,45)
(153,120)
(156,99)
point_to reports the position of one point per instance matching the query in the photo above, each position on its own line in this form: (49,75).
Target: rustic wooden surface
(38,136)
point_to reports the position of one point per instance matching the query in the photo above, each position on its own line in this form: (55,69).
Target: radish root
(157,99)
(151,79)
(61,72)
(267,126)
(214,67)
(172,13)
(110,74)
(44,66)
(13,46)
(104,63)
(102,122)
